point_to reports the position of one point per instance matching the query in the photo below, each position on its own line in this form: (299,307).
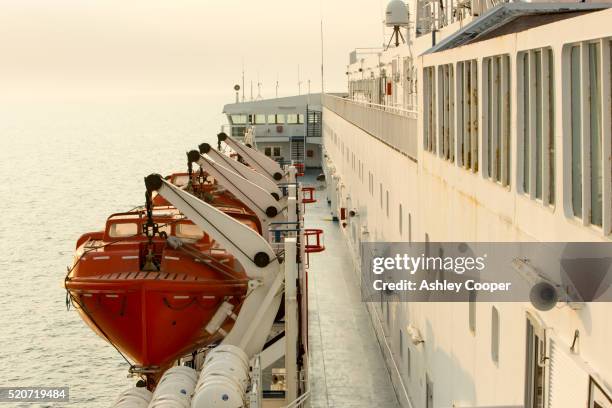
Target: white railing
(299,401)
(394,126)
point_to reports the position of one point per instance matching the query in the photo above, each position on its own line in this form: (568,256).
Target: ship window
(401,220)
(472,311)
(534,379)
(467,114)
(280,119)
(409,227)
(408,361)
(190,231)
(496,118)
(536,128)
(271,119)
(276,152)
(387,200)
(260,119)
(495,334)
(598,397)
(429,102)
(268,151)
(292,118)
(123,230)
(388,310)
(300,118)
(589,131)
(446,112)
(239,119)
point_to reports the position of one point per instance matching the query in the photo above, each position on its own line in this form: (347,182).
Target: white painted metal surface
(246,172)
(438,196)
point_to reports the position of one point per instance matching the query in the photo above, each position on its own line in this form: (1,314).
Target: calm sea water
(64,168)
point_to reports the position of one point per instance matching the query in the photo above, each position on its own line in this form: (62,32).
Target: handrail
(386,108)
(299,401)
(396,127)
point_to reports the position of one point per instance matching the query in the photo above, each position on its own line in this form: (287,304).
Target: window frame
(604,75)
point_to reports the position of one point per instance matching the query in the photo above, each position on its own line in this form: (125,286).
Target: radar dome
(396,14)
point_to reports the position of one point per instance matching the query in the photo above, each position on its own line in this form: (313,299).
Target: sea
(65,167)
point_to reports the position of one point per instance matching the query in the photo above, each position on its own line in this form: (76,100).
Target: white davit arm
(259,261)
(245,171)
(262,203)
(255,158)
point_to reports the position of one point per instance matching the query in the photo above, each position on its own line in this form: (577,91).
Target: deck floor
(347,367)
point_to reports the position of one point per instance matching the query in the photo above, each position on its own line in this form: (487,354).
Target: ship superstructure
(491,123)
(478,121)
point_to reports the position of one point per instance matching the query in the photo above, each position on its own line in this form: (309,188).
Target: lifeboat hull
(153,317)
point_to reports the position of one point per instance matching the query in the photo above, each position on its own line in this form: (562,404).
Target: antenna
(258,88)
(396,17)
(299,82)
(322,77)
(277,84)
(243,80)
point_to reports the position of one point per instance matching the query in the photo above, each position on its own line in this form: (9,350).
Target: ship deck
(347,368)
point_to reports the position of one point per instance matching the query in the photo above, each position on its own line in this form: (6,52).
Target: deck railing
(391,125)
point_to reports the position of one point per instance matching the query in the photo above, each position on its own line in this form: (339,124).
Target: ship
(474,122)
(477,121)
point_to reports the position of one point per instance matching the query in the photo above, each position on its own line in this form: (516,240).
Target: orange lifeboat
(205,188)
(154,295)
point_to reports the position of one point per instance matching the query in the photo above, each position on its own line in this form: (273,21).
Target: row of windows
(451,121)
(537,349)
(358,166)
(404,347)
(270,119)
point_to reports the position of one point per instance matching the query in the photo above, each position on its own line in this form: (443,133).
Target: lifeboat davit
(157,297)
(207,189)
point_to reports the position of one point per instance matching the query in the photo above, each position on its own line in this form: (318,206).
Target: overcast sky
(117,47)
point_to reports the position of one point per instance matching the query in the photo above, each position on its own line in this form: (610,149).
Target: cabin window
(496,118)
(189,231)
(598,397)
(276,119)
(123,230)
(472,311)
(467,114)
(495,334)
(259,119)
(300,118)
(534,378)
(292,118)
(408,361)
(589,75)
(387,202)
(429,103)
(446,112)
(239,119)
(388,310)
(268,151)
(276,152)
(536,126)
(401,220)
